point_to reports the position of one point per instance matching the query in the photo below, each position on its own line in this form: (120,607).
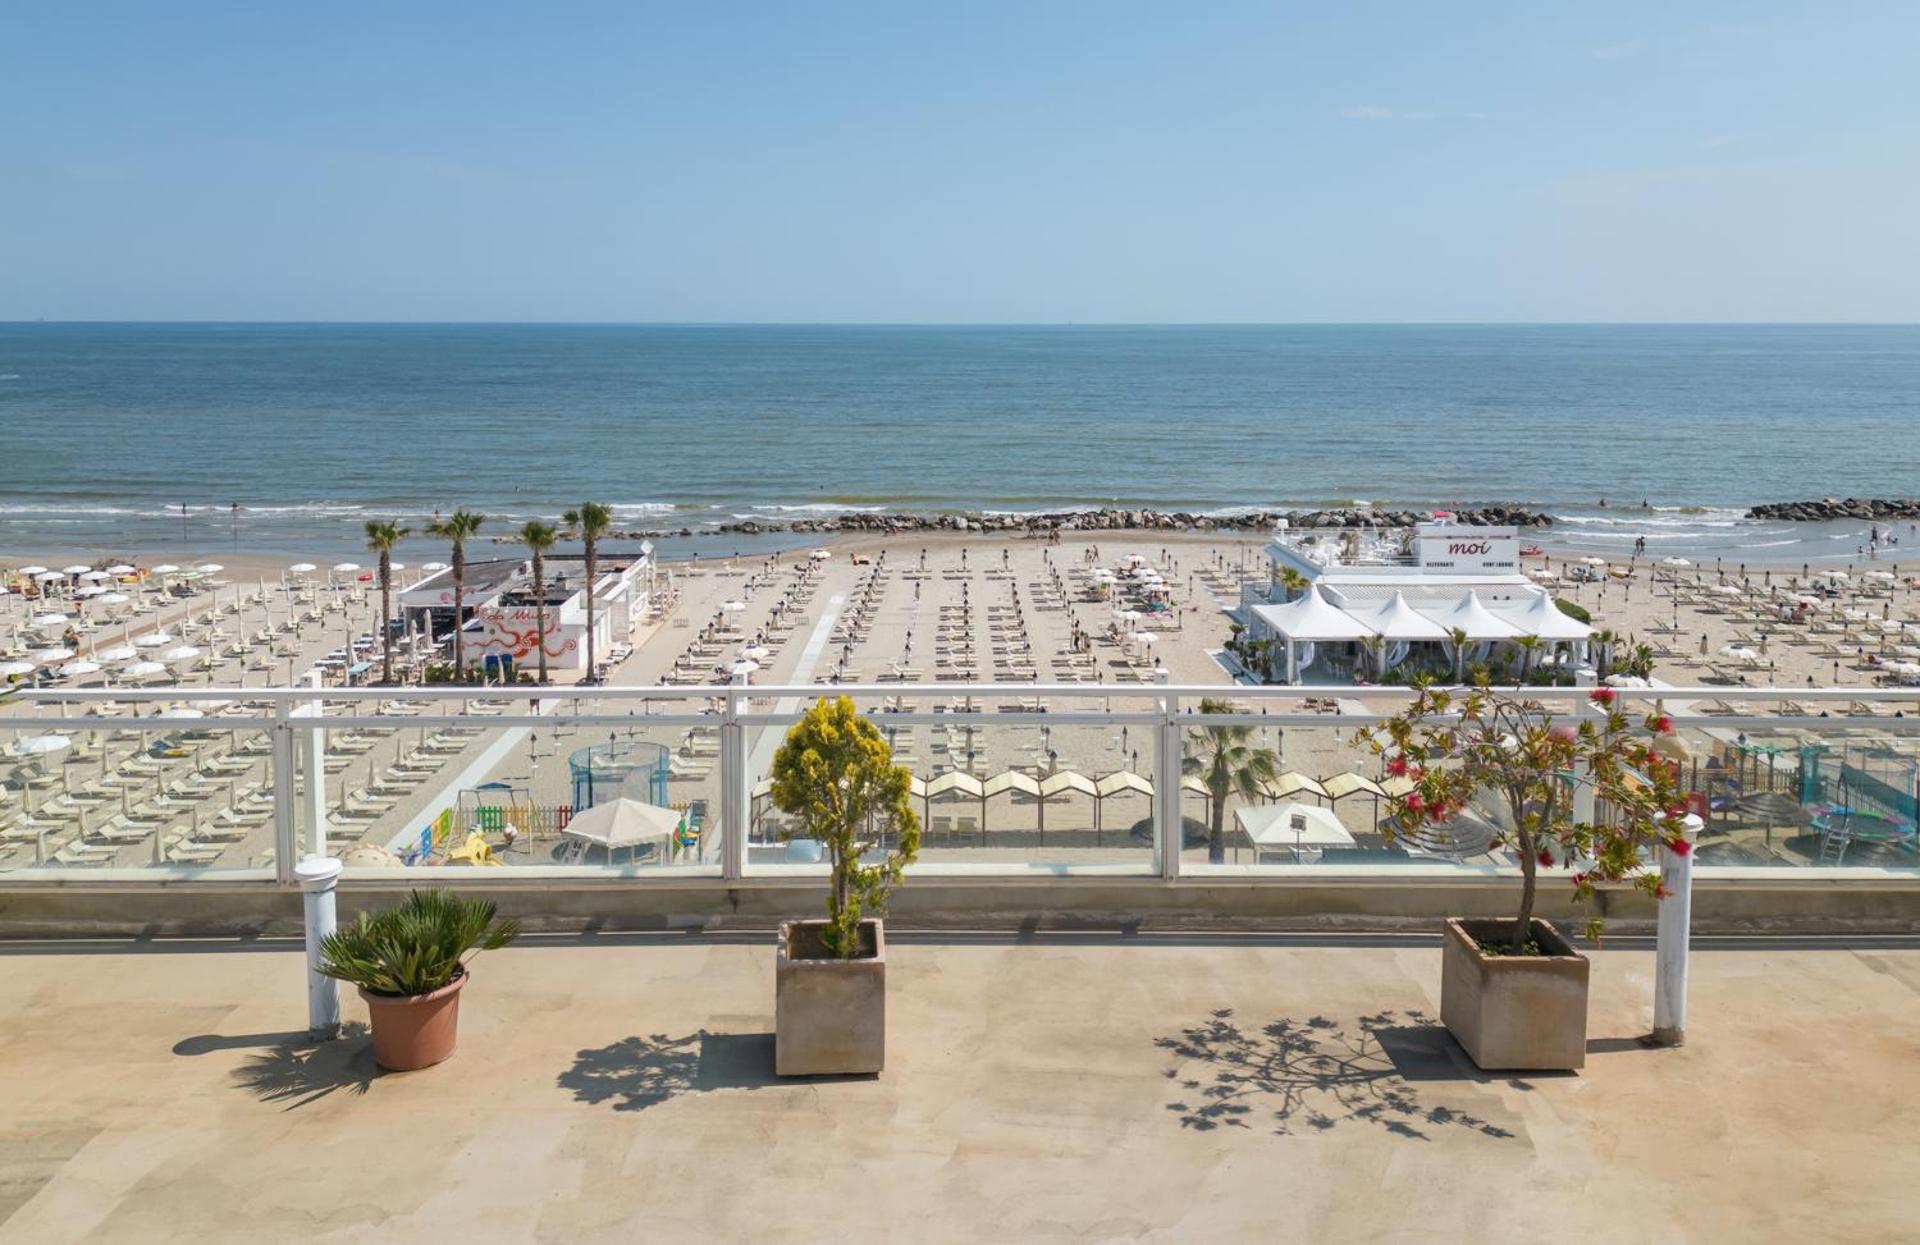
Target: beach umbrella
(184,652)
(79,669)
(155,639)
(733,607)
(114,598)
(1590,561)
(744,667)
(120,568)
(33,570)
(345,568)
(433,566)
(48,577)
(302,568)
(14,669)
(76,569)
(209,568)
(40,745)
(47,622)
(624,823)
(166,568)
(140,670)
(119,652)
(48,656)
(96,575)
(89,591)
(755,652)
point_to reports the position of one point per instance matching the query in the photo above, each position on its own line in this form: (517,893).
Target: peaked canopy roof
(1313,617)
(1479,622)
(1541,617)
(1396,620)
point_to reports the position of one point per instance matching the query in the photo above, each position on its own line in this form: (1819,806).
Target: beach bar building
(502,612)
(1363,601)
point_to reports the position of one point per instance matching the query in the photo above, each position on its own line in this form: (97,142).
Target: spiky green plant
(414,948)
(1227,762)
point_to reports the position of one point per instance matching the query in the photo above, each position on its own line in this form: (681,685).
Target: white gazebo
(1475,619)
(1299,829)
(1310,619)
(624,823)
(1543,618)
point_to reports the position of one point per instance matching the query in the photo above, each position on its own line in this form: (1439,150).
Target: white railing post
(736,794)
(1168,833)
(318,876)
(313,757)
(285,815)
(1675,928)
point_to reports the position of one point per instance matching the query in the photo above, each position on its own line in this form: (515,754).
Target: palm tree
(1223,759)
(1603,642)
(1294,582)
(1529,647)
(458,527)
(1459,638)
(382,536)
(538,538)
(592,521)
(1376,650)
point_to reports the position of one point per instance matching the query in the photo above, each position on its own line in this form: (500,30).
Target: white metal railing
(297,720)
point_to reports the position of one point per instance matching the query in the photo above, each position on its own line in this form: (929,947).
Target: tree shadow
(298,1071)
(640,1072)
(1318,1074)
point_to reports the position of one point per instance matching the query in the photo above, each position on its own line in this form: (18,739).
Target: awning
(1292,825)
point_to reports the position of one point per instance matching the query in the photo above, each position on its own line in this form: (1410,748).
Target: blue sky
(979,162)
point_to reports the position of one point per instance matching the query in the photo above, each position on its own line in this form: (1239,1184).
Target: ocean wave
(817,507)
(1719,518)
(35,510)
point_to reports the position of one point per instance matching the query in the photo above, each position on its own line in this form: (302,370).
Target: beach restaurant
(1365,601)
(502,611)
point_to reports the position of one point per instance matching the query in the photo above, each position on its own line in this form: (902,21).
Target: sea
(285,438)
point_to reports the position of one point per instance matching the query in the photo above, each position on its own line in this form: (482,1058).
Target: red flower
(1416,803)
(1602,695)
(1663,725)
(1546,859)
(1396,766)
(1677,812)
(1679,847)
(1416,773)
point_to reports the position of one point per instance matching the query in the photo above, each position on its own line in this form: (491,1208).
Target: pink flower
(1602,695)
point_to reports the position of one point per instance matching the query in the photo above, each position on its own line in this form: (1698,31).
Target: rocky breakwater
(1111,519)
(1828,509)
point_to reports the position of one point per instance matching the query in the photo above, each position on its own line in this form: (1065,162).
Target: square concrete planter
(829,1015)
(1514,1011)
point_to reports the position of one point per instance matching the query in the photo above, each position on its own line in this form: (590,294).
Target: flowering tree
(834,772)
(1454,746)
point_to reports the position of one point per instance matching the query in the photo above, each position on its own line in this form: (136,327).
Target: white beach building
(1365,601)
(502,613)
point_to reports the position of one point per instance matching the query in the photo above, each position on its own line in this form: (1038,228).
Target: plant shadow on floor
(1318,1074)
(298,1071)
(640,1072)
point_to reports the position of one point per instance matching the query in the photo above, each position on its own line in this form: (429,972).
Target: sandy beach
(889,611)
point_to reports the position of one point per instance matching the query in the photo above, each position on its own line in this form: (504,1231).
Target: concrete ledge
(1786,903)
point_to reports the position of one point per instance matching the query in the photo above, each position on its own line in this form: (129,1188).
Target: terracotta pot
(417,1030)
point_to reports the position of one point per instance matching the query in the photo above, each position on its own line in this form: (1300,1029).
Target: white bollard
(1670,952)
(318,876)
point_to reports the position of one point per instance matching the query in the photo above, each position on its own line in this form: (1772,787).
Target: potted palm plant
(410,965)
(834,775)
(1514,991)
(1227,763)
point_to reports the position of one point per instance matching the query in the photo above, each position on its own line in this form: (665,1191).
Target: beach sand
(873,612)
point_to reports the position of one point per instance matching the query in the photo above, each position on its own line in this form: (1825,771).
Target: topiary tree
(834,772)
(1454,747)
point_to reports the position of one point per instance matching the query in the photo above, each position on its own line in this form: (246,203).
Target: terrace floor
(1226,1087)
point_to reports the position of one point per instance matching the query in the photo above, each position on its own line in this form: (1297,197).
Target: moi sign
(1470,550)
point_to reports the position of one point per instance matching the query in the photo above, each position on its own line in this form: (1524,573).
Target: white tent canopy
(623,823)
(1394,619)
(1541,617)
(1312,617)
(1292,825)
(1479,622)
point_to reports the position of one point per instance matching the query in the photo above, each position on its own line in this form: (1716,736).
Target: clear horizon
(857,164)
